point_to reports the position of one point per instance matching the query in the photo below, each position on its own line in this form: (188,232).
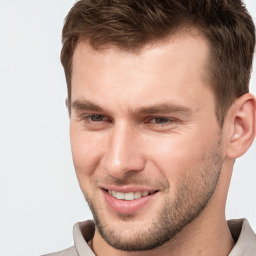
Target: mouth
(128,196)
(129,202)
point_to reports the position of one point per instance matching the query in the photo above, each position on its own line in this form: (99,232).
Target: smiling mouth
(130,195)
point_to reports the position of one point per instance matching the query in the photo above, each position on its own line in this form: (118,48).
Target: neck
(198,238)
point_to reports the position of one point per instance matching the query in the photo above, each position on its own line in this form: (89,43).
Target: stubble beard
(191,198)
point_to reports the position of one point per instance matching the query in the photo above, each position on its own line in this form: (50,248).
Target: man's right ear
(241,126)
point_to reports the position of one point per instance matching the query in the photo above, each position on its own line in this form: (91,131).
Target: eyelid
(170,119)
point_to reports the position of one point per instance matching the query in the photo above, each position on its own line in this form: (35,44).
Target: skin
(123,138)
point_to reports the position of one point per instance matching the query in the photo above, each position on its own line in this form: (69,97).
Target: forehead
(164,71)
(192,42)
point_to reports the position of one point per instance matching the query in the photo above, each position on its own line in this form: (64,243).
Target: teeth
(137,195)
(130,195)
(119,195)
(145,193)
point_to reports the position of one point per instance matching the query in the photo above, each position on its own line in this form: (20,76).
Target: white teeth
(119,195)
(137,195)
(130,195)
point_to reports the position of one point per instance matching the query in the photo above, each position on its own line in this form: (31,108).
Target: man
(159,111)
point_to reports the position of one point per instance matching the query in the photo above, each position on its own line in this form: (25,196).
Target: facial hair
(190,199)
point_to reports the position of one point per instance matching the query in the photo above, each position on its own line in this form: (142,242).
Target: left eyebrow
(163,109)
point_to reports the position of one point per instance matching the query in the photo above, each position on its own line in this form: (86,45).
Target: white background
(40,199)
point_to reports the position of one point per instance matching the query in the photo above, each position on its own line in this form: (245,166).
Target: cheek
(86,151)
(178,155)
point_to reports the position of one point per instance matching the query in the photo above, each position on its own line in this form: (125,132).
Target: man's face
(145,140)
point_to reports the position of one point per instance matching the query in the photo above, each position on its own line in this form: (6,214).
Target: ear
(241,122)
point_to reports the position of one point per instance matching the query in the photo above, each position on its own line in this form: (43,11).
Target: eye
(162,124)
(160,120)
(96,118)
(94,122)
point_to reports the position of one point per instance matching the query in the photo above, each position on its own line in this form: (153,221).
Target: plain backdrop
(40,199)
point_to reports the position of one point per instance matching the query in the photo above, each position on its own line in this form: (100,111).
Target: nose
(123,154)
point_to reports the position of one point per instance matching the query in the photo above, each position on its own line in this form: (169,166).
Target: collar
(243,236)
(240,229)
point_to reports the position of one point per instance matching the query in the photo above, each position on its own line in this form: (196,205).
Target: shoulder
(83,232)
(71,251)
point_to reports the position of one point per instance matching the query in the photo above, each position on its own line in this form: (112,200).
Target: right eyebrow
(84,105)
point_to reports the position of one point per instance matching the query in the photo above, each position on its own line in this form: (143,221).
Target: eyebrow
(164,108)
(85,105)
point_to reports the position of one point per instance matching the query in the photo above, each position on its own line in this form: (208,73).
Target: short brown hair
(130,24)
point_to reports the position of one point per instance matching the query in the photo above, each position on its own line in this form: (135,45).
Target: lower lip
(126,206)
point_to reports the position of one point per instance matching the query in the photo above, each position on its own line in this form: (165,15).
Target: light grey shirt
(241,231)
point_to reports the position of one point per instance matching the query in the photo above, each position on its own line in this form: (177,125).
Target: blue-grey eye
(161,120)
(96,118)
